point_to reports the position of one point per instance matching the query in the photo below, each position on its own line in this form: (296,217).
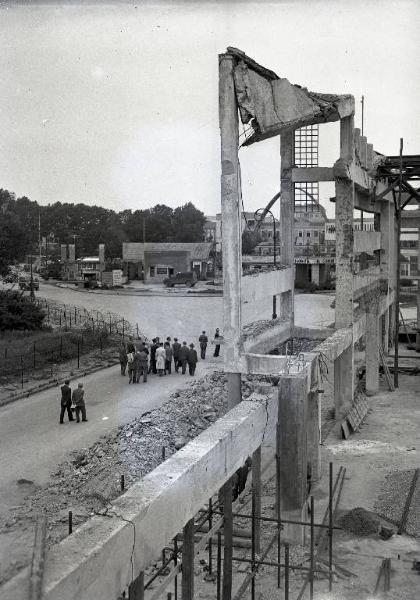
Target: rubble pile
(258,327)
(360,521)
(298,345)
(91,477)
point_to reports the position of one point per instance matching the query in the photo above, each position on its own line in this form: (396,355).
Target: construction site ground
(380,460)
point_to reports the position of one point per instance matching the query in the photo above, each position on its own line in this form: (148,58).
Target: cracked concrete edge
(51,384)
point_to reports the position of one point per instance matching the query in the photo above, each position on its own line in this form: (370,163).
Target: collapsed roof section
(270,104)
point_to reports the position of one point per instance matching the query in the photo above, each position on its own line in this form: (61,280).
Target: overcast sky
(116,104)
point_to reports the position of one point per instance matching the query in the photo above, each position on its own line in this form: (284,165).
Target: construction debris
(360,522)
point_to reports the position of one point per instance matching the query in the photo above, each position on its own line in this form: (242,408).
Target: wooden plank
(345,429)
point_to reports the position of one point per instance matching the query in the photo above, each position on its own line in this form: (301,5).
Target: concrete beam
(268,339)
(312,174)
(261,287)
(351,171)
(95,561)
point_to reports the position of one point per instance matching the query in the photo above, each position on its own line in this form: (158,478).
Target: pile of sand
(360,521)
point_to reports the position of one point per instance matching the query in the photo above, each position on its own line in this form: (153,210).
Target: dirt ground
(379,460)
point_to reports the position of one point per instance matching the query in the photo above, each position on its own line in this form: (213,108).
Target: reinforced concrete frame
(110,553)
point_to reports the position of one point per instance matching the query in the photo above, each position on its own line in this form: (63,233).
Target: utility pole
(363,112)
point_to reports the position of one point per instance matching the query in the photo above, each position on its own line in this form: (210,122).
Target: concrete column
(372,350)
(287,216)
(314,435)
(292,444)
(418,292)
(231,230)
(385,331)
(315,274)
(343,382)
(344,206)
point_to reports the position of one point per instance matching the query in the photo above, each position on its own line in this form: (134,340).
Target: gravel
(392,498)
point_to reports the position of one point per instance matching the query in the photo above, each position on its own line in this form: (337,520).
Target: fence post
(5,353)
(52,362)
(34,356)
(61,348)
(21,371)
(137,330)
(78,355)
(100,341)
(75,315)
(110,325)
(60,319)
(70,319)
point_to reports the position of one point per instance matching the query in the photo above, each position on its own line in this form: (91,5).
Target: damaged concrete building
(110,553)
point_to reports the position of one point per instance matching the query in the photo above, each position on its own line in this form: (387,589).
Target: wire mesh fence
(77,338)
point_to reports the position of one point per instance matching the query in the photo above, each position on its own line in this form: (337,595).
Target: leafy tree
(13,241)
(188,224)
(250,239)
(18,312)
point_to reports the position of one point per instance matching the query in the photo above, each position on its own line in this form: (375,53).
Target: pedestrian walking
(217,346)
(203,340)
(143,360)
(122,355)
(176,347)
(160,359)
(79,402)
(183,357)
(66,401)
(192,359)
(131,367)
(168,357)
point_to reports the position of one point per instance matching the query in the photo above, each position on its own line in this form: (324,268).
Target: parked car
(189,279)
(25,283)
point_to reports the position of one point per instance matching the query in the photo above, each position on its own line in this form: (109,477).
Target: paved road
(33,442)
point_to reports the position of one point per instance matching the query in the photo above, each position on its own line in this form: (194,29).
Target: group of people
(140,359)
(72,401)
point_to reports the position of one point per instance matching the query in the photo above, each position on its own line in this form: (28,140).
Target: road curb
(51,384)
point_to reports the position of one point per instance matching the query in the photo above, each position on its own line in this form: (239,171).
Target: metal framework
(307,155)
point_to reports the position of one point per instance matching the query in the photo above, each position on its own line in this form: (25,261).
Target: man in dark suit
(192,359)
(183,357)
(203,339)
(176,347)
(66,401)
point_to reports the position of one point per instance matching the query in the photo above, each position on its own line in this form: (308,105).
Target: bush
(19,312)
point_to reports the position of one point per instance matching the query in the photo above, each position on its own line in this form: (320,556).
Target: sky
(116,104)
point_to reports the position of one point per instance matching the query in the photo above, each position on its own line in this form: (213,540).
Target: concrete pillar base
(291,533)
(343,383)
(314,435)
(372,352)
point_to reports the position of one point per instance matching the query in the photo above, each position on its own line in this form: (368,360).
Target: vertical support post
(231,226)
(287,215)
(188,561)
(70,522)
(136,588)
(219,565)
(343,382)
(228,534)
(278,502)
(286,571)
(311,574)
(211,539)
(397,291)
(330,529)
(314,435)
(372,349)
(175,564)
(256,496)
(274,315)
(418,289)
(293,408)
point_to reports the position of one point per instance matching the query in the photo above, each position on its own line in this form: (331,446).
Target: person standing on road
(183,357)
(217,346)
(130,345)
(160,359)
(176,347)
(122,354)
(143,360)
(66,401)
(79,402)
(168,357)
(203,339)
(192,359)
(130,363)
(153,349)
(136,366)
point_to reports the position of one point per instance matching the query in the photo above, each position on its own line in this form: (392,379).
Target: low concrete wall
(258,290)
(95,561)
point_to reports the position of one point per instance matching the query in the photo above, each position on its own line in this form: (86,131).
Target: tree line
(22,219)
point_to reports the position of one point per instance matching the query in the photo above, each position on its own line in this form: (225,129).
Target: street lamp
(259,217)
